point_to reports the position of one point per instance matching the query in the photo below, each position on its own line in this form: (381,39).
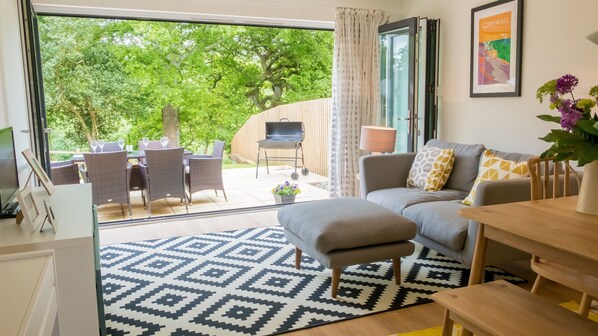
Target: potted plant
(577,139)
(285,192)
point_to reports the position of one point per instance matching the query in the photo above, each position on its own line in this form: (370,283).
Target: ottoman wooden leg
(336,278)
(396,267)
(297,258)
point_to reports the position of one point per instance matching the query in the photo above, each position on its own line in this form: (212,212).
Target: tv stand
(10,210)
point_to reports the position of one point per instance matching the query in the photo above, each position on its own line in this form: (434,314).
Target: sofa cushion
(465,168)
(431,168)
(493,167)
(397,199)
(344,223)
(440,222)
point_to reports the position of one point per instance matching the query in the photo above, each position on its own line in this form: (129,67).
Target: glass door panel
(397,87)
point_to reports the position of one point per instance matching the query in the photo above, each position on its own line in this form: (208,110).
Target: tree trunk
(170,125)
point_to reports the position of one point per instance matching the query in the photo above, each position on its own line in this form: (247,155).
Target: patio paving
(242,189)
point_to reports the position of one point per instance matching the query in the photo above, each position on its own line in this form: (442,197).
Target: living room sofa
(436,214)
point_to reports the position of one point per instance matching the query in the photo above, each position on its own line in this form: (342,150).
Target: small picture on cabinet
(33,214)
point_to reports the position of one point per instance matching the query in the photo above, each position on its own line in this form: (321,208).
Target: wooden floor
(386,323)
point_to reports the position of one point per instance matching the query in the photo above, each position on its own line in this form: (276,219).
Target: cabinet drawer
(43,303)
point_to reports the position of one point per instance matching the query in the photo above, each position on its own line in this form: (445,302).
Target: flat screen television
(9,178)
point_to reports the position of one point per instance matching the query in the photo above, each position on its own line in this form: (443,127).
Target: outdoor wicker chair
(163,173)
(217,151)
(153,144)
(109,174)
(108,147)
(111,147)
(204,174)
(64,172)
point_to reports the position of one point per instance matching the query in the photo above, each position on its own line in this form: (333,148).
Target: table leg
(479,256)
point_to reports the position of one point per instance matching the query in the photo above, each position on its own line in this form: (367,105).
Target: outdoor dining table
(136,154)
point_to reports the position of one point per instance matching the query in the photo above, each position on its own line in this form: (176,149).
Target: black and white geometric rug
(244,283)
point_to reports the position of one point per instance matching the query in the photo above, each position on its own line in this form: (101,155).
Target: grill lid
(285,131)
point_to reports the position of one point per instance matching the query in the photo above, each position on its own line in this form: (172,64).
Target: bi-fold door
(408,76)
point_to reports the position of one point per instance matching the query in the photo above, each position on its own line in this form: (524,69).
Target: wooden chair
(547,182)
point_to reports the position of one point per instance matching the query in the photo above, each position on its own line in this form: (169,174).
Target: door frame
(35,86)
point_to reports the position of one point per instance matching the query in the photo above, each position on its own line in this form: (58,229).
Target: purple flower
(286,183)
(570,115)
(566,84)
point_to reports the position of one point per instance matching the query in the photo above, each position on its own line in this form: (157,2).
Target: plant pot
(284,199)
(587,201)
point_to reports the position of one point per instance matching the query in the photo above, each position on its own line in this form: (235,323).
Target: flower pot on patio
(284,199)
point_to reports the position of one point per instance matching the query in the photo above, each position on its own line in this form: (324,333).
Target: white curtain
(355,92)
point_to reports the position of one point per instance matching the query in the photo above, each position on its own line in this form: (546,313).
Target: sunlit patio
(243,190)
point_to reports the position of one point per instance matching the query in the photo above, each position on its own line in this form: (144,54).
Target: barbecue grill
(283,134)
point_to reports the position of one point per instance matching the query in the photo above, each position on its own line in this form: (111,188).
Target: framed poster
(38,170)
(496,49)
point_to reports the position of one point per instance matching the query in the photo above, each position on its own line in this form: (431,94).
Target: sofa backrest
(465,168)
(513,156)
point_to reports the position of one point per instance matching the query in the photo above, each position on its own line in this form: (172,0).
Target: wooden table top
(552,222)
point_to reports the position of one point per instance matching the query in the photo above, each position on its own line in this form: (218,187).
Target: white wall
(554,44)
(13,102)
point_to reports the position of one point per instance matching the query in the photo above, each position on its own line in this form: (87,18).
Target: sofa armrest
(497,192)
(503,191)
(384,171)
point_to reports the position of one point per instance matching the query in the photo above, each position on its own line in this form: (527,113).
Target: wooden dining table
(549,228)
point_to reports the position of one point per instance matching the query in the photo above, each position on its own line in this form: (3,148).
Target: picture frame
(496,43)
(33,213)
(39,171)
(50,216)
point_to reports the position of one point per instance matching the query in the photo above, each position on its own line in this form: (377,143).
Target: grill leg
(302,157)
(257,164)
(267,164)
(296,154)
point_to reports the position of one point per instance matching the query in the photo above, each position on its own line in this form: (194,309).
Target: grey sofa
(436,214)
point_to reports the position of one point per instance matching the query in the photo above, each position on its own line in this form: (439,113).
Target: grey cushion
(397,199)
(465,168)
(344,223)
(440,222)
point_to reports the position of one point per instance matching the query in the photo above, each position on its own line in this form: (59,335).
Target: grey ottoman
(347,231)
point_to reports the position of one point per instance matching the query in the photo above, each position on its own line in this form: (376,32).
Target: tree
(111,78)
(85,84)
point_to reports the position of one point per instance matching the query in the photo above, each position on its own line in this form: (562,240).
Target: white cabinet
(73,256)
(28,292)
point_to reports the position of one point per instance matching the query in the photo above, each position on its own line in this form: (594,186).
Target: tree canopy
(109,79)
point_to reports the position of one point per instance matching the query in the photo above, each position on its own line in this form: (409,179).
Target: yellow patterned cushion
(494,168)
(431,168)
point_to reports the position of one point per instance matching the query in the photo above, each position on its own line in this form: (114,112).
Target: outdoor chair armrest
(144,173)
(83,172)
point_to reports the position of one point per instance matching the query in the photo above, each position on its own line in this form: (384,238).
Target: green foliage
(110,79)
